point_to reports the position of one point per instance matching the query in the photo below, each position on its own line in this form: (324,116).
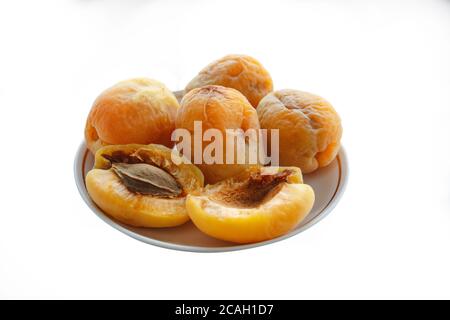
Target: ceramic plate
(328,184)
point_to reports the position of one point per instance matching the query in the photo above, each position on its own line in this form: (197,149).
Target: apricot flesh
(309,128)
(111,194)
(236,210)
(241,72)
(132,111)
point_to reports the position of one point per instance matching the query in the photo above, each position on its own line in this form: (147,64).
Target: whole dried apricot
(133,111)
(309,128)
(240,72)
(221,108)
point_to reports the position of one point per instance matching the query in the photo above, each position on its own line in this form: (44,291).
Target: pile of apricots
(139,179)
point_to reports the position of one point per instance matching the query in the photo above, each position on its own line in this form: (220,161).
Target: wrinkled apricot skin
(240,72)
(133,111)
(309,128)
(274,218)
(110,194)
(219,108)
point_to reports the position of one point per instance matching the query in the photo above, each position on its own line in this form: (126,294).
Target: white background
(385,66)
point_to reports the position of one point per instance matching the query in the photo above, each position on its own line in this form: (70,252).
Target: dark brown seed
(146,179)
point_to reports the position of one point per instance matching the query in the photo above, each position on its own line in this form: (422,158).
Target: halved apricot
(260,204)
(141,185)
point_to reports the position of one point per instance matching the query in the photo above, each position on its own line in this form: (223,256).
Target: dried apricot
(259,204)
(240,72)
(132,111)
(141,185)
(217,107)
(309,128)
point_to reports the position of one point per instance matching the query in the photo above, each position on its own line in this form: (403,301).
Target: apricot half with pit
(133,111)
(260,204)
(241,72)
(309,128)
(143,185)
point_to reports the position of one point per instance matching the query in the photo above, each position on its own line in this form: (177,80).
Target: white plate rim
(79,180)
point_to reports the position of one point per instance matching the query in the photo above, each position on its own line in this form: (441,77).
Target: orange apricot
(259,204)
(240,72)
(132,111)
(141,185)
(309,128)
(220,108)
